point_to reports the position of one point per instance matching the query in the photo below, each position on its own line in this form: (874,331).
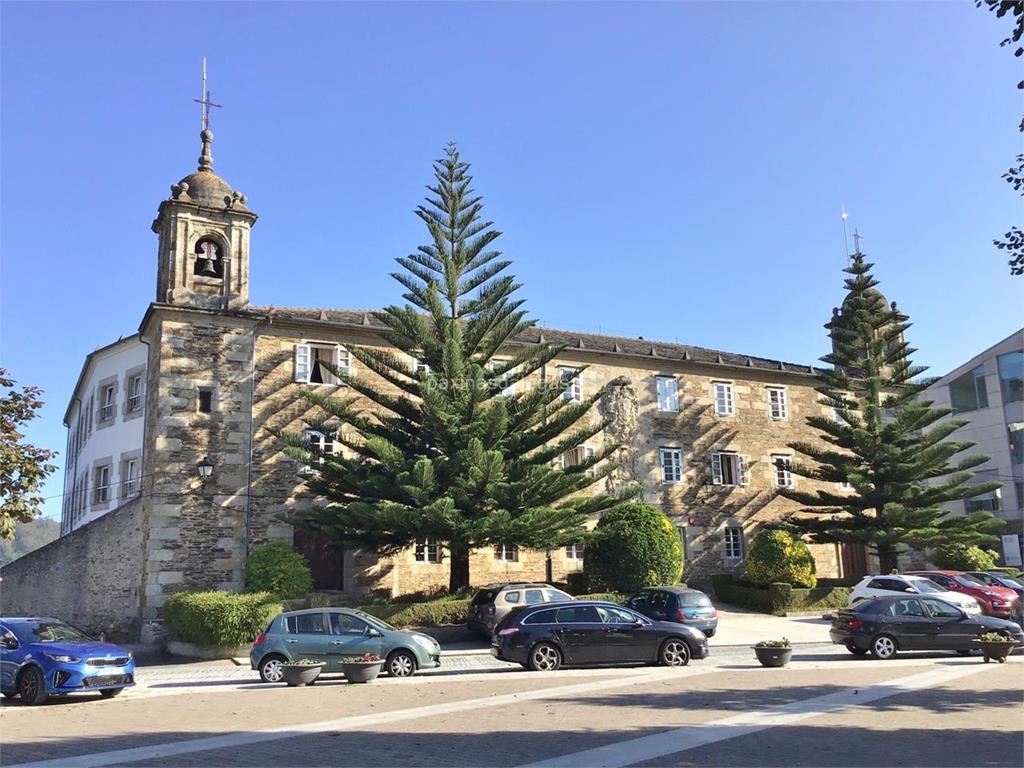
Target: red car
(995,601)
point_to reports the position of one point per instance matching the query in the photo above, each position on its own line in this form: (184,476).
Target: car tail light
(855,624)
(714,613)
(261,638)
(680,615)
(508,631)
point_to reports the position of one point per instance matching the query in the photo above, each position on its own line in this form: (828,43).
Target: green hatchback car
(330,634)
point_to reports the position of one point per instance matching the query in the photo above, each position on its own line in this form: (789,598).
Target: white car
(897,584)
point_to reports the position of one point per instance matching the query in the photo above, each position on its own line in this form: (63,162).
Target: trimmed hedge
(777,556)
(278,569)
(778,597)
(576,582)
(219,618)
(635,546)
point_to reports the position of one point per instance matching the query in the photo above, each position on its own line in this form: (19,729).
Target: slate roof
(588,342)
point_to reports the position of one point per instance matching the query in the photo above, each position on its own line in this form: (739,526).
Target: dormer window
(208,259)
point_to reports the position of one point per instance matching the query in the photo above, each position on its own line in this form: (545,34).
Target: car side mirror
(638,621)
(373,632)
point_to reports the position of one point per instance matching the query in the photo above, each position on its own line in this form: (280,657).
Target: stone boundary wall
(89,578)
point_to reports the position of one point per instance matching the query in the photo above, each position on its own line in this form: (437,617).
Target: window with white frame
(780,464)
(134,393)
(778,408)
(574,551)
(428,550)
(671,465)
(101,488)
(845,486)
(510,388)
(418,366)
(724,405)
(506,552)
(572,380)
(312,363)
(733,540)
(668,393)
(107,403)
(321,446)
(130,477)
(729,468)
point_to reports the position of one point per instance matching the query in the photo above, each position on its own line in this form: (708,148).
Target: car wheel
(709,634)
(31,687)
(401,664)
(883,647)
(544,657)
(674,653)
(855,650)
(270,669)
(109,693)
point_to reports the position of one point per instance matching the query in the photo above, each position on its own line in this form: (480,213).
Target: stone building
(703,432)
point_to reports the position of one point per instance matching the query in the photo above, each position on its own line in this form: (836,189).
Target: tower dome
(204,187)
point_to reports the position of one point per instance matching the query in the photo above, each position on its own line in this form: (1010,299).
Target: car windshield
(51,632)
(968,581)
(373,621)
(927,586)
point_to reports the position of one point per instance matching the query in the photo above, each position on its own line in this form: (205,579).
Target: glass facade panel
(968,393)
(1011,376)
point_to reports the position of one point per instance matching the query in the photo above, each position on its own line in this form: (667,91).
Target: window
(1011,376)
(783,477)
(418,366)
(728,468)
(577,614)
(510,388)
(968,393)
(1018,487)
(507,552)
(130,481)
(134,394)
(1015,435)
(609,615)
(513,597)
(428,550)
(574,551)
(723,398)
(572,380)
(312,361)
(347,624)
(534,596)
(101,490)
(668,394)
(320,446)
(541,617)
(734,543)
(306,624)
(205,400)
(778,408)
(671,465)
(107,403)
(940,609)
(907,607)
(988,502)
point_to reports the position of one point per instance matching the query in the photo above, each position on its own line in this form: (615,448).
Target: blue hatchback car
(41,657)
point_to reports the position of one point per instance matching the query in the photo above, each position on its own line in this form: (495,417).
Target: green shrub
(278,569)
(576,583)
(777,556)
(634,546)
(608,597)
(219,618)
(778,597)
(431,613)
(961,557)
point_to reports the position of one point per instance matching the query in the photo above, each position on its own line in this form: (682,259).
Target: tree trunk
(887,561)
(458,577)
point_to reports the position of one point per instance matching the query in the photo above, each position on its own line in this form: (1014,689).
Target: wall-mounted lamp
(204,468)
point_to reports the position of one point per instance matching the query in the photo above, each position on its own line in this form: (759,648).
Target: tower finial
(856,242)
(205,158)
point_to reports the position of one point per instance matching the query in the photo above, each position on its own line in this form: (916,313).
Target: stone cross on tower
(205,100)
(856,240)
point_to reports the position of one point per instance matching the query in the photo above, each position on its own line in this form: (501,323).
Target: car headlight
(62,658)
(427,643)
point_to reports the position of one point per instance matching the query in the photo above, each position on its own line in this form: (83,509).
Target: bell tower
(203,230)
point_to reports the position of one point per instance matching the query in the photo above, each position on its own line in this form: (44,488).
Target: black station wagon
(586,632)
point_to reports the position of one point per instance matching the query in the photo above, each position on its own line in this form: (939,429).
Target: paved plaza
(826,709)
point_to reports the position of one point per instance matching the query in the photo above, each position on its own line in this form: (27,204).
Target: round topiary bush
(961,557)
(777,556)
(634,546)
(278,569)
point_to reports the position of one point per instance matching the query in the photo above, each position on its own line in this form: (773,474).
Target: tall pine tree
(885,441)
(461,448)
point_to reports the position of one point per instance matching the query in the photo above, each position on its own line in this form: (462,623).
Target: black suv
(588,632)
(686,606)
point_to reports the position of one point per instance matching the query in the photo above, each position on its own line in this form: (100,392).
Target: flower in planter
(995,637)
(783,643)
(366,658)
(306,663)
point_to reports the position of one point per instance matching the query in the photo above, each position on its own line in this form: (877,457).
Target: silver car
(492,602)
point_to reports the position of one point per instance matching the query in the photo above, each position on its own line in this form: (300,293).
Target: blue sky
(668,170)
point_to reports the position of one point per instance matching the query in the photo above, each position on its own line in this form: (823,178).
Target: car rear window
(694,599)
(512,597)
(484,596)
(541,617)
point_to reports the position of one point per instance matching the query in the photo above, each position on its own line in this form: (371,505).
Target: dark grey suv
(492,602)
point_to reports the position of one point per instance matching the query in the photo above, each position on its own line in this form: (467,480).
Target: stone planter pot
(773,657)
(362,671)
(997,649)
(300,674)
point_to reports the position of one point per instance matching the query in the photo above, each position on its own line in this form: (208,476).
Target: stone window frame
(123,492)
(669,450)
(671,399)
(107,462)
(782,478)
(127,412)
(101,387)
(214,388)
(729,399)
(224,249)
(782,401)
(427,551)
(506,553)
